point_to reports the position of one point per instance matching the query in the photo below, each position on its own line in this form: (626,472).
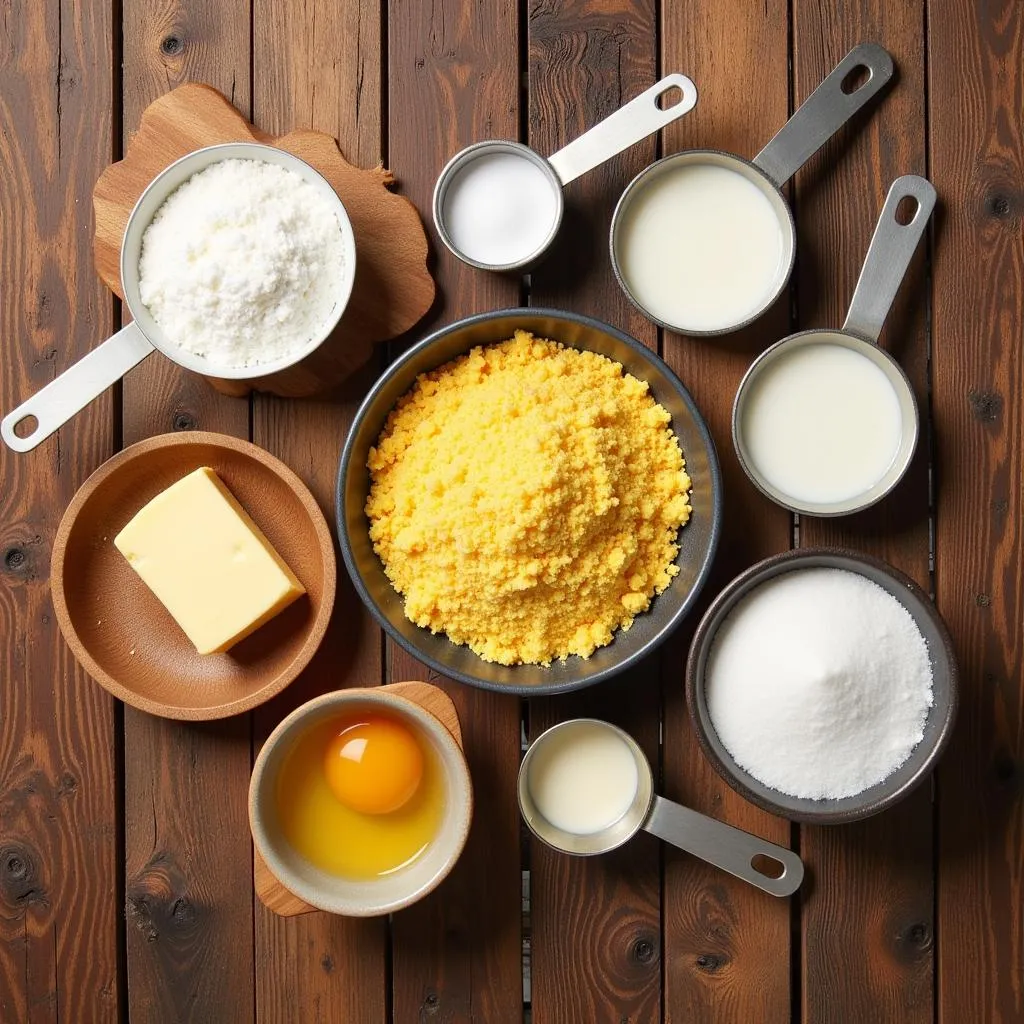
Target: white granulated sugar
(819,683)
(242,264)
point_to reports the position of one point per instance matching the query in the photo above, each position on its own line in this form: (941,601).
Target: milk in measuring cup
(583,778)
(821,424)
(700,247)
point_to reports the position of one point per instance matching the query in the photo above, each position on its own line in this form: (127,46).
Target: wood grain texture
(595,939)
(727,946)
(58,824)
(393,289)
(189,887)
(453,79)
(976,95)
(320,966)
(272,893)
(874,881)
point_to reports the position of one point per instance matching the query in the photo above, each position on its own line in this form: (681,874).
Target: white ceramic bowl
(379,896)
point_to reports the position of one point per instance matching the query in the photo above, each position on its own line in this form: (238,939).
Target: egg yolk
(374,767)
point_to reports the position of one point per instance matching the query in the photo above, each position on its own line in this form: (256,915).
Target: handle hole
(856,78)
(26,427)
(906,210)
(670,98)
(767,866)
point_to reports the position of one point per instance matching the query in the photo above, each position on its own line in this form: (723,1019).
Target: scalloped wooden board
(393,288)
(272,894)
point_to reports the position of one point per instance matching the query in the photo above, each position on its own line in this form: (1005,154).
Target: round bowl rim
(133,227)
(696,703)
(81,652)
(714,470)
(429,722)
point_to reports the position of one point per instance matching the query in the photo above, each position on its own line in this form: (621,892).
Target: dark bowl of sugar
(794,735)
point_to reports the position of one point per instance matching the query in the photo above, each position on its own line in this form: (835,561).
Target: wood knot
(182,912)
(19,877)
(184,421)
(998,205)
(1005,766)
(642,951)
(171,46)
(16,561)
(985,405)
(918,935)
(327,963)
(711,963)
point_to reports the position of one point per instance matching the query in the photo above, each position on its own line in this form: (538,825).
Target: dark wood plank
(189,890)
(453,78)
(874,881)
(58,815)
(595,922)
(976,94)
(318,66)
(727,945)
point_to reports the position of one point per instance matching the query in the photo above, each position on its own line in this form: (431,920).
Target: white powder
(500,208)
(819,683)
(243,263)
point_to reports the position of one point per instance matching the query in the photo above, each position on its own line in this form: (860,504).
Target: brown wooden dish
(124,637)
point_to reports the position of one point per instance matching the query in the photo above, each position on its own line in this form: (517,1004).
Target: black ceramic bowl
(938,726)
(697,540)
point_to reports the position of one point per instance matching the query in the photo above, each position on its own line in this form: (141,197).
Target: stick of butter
(209,564)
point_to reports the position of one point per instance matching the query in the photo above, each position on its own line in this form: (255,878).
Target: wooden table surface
(125,856)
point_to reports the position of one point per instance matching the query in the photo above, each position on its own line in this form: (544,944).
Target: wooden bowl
(125,638)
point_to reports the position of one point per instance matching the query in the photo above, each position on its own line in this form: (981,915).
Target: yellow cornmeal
(526,499)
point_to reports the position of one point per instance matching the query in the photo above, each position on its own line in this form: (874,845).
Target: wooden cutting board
(393,288)
(272,894)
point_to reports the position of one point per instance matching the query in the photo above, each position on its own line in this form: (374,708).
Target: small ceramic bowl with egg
(360,802)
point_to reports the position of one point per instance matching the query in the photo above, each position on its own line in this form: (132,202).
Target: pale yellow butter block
(209,564)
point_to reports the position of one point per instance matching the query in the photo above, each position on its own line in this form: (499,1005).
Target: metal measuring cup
(628,125)
(52,406)
(821,115)
(728,848)
(889,254)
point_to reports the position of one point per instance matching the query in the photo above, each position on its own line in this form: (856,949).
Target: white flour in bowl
(242,263)
(819,683)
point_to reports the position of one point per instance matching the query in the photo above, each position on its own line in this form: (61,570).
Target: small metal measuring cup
(728,848)
(52,406)
(821,115)
(628,125)
(889,254)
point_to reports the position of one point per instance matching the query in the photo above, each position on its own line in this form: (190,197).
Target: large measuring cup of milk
(498,205)
(51,407)
(825,422)
(585,787)
(703,242)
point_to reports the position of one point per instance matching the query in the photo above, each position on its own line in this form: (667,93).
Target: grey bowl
(938,726)
(698,539)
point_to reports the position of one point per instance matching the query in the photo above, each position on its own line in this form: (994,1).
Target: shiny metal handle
(891,250)
(824,112)
(629,124)
(75,388)
(728,848)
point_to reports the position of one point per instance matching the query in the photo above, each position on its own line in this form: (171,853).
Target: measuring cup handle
(728,848)
(891,250)
(824,112)
(76,387)
(629,124)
